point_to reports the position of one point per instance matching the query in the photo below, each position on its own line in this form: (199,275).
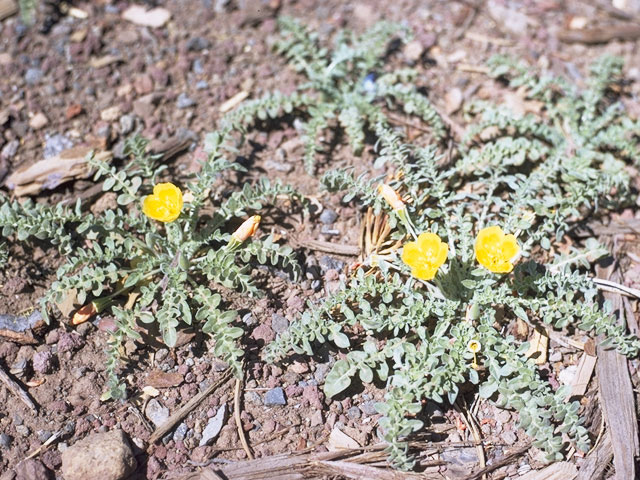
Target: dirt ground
(95,80)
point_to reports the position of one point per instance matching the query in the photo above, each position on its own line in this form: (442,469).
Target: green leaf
(338,379)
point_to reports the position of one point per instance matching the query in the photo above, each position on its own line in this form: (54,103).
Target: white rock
(214,426)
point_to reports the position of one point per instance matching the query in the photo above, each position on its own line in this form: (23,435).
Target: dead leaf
(154,18)
(538,347)
(66,306)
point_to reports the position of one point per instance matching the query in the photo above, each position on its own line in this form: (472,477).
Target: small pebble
(328,216)
(275,396)
(180,432)
(353,413)
(279,323)
(55,144)
(249,320)
(127,124)
(368,408)
(33,76)
(202,85)
(5,440)
(23,430)
(184,101)
(197,43)
(197,67)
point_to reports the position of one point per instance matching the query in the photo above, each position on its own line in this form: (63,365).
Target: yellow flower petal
(165,204)
(495,250)
(425,256)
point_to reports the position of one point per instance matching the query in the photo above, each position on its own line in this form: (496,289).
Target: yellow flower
(165,204)
(247,229)
(495,250)
(474,346)
(425,256)
(391,196)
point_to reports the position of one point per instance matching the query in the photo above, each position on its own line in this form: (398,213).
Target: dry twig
(237,393)
(17,390)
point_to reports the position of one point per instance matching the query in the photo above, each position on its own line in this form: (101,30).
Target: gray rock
(326,230)
(184,101)
(278,323)
(509,437)
(214,426)
(180,432)
(43,435)
(249,320)
(328,216)
(161,354)
(460,456)
(328,263)
(127,124)
(33,76)
(10,149)
(23,430)
(253,397)
(202,85)
(55,144)
(5,440)
(353,413)
(195,44)
(106,456)
(275,396)
(368,408)
(321,372)
(156,412)
(197,67)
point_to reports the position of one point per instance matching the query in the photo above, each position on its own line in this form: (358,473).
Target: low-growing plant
(163,267)
(342,88)
(480,232)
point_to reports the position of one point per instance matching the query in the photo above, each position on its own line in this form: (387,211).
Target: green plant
(340,89)
(536,176)
(173,270)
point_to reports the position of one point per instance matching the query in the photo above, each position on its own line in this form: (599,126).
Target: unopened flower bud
(247,229)
(391,196)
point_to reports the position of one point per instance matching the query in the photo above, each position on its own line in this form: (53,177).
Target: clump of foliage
(534,175)
(340,88)
(173,270)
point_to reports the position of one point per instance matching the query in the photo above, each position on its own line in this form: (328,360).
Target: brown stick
(186,409)
(500,463)
(322,246)
(17,390)
(236,415)
(592,36)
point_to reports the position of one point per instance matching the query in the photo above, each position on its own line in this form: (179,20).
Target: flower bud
(247,229)
(391,196)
